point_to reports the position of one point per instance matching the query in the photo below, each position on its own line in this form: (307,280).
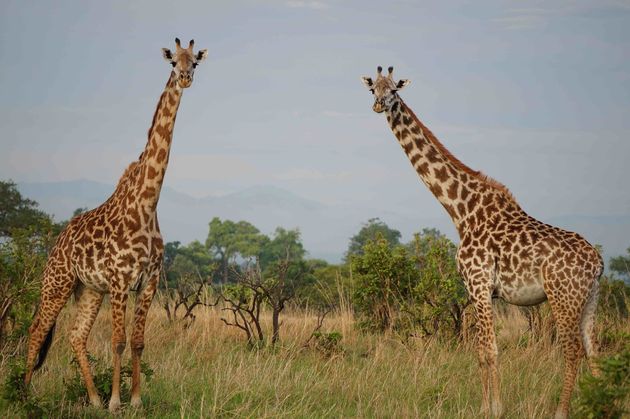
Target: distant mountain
(326,229)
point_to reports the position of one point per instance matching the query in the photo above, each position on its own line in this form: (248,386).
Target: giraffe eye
(194,65)
(173,63)
(372,90)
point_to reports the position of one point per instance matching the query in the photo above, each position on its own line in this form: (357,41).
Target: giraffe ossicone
(503,252)
(107,249)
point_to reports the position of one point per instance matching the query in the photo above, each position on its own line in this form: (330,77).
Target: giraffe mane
(487,180)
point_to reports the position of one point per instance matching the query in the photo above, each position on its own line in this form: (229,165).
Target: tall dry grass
(208,371)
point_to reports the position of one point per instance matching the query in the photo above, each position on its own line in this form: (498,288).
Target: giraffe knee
(137,346)
(119,347)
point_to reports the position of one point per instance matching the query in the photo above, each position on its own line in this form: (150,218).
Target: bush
(77,392)
(608,395)
(328,343)
(440,297)
(384,279)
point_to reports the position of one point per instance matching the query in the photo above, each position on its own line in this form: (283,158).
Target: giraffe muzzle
(378,106)
(185,80)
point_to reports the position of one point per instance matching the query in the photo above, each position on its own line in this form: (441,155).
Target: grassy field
(208,371)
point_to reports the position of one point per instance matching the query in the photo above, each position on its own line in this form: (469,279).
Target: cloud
(301,4)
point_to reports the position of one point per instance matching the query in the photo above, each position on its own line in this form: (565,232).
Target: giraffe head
(384,89)
(184,62)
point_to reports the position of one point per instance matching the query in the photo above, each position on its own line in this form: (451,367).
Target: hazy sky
(535,94)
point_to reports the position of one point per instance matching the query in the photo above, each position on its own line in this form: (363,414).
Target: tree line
(410,288)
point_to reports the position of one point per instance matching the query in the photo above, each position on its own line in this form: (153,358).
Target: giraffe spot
(432,155)
(414,159)
(161,155)
(436,189)
(423,169)
(441,174)
(472,202)
(452,190)
(451,211)
(162,131)
(461,208)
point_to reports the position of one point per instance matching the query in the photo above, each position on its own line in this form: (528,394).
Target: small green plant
(328,343)
(15,392)
(608,395)
(77,392)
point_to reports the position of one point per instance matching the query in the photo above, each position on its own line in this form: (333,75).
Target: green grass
(207,371)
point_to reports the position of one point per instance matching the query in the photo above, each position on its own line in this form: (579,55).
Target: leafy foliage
(621,264)
(373,229)
(328,343)
(608,395)
(22,261)
(439,298)
(228,239)
(384,278)
(17,212)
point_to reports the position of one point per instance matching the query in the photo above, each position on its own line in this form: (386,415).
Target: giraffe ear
(201,55)
(402,83)
(367,81)
(167,54)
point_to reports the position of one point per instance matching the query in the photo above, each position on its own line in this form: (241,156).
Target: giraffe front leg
(119,305)
(143,303)
(488,353)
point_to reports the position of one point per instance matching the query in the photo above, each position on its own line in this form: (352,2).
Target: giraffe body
(113,248)
(503,252)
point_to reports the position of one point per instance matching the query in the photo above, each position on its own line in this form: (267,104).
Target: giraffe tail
(43,351)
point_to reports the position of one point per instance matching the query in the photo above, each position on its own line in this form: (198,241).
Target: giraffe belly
(94,280)
(522,293)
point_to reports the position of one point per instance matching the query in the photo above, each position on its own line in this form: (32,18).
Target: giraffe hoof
(497,409)
(114,405)
(136,402)
(96,402)
(561,414)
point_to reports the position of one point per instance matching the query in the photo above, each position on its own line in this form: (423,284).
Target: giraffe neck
(458,188)
(154,159)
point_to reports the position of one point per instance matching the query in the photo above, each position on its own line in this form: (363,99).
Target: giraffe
(114,246)
(503,252)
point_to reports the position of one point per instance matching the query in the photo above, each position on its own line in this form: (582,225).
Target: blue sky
(535,94)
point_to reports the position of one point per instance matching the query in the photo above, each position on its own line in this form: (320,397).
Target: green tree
(374,228)
(228,239)
(621,264)
(22,261)
(19,212)
(285,244)
(384,278)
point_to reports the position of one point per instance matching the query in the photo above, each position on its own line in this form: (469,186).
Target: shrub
(608,395)
(77,392)
(384,278)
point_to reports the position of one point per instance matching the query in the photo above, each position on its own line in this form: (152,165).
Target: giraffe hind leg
(88,304)
(143,303)
(56,289)
(569,317)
